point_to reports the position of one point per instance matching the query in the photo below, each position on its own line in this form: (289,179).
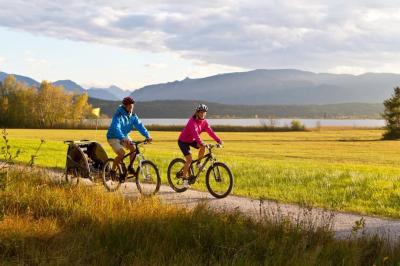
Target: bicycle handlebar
(210,146)
(137,143)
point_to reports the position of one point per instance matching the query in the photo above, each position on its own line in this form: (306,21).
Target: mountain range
(112,93)
(279,86)
(257,87)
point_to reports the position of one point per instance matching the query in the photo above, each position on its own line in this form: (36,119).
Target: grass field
(43,223)
(348,170)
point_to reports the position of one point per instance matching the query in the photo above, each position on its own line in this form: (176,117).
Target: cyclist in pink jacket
(190,137)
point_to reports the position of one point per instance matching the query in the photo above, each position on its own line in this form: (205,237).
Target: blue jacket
(122,123)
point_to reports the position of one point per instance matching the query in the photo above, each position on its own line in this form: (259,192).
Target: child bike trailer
(85,159)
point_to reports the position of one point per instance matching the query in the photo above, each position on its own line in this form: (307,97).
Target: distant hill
(112,93)
(102,94)
(27,80)
(258,87)
(183,109)
(70,85)
(120,93)
(276,87)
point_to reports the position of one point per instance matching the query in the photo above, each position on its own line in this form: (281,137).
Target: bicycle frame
(137,154)
(208,157)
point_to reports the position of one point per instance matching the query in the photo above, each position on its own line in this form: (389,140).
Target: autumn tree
(48,106)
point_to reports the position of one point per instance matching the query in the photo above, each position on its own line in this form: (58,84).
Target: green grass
(347,170)
(43,223)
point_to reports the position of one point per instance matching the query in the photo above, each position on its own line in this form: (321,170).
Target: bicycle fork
(145,172)
(217,173)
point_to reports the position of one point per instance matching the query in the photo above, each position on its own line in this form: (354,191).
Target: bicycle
(219,178)
(146,175)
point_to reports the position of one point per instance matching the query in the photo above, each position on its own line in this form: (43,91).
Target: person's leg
(132,149)
(119,150)
(118,159)
(187,165)
(202,150)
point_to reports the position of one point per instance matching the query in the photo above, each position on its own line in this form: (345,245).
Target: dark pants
(185,147)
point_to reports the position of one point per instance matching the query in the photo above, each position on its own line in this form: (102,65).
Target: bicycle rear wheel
(174,179)
(111,180)
(148,179)
(219,180)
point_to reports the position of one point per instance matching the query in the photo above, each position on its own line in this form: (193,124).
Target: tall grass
(46,223)
(348,170)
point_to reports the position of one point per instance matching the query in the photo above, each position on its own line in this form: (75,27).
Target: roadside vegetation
(43,222)
(346,170)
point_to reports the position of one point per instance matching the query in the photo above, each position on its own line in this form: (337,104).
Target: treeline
(184,108)
(47,106)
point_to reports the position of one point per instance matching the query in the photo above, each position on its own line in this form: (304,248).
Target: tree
(392,115)
(47,106)
(79,108)
(9,93)
(52,105)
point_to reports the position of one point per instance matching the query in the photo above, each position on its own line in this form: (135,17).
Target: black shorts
(185,147)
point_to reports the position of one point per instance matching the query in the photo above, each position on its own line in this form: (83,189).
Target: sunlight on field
(348,170)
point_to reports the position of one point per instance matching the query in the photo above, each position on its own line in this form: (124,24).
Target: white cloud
(156,65)
(317,35)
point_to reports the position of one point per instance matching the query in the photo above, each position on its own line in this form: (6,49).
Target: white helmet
(201,108)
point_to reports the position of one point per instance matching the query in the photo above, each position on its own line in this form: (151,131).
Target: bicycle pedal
(192,180)
(179,174)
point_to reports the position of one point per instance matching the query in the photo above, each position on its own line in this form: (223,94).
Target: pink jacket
(193,129)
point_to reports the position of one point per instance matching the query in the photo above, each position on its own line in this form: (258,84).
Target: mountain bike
(219,178)
(146,175)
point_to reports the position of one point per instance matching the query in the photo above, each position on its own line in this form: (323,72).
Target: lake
(310,123)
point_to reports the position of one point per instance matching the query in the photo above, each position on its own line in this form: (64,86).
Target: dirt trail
(342,223)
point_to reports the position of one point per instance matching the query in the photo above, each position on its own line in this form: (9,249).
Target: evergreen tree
(392,115)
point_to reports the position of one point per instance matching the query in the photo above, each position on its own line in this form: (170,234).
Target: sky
(136,43)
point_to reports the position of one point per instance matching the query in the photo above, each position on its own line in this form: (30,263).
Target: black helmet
(128,100)
(201,108)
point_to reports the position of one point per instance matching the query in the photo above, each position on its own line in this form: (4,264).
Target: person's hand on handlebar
(220,144)
(149,139)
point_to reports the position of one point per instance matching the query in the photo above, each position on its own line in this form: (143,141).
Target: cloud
(155,65)
(317,35)
(3,60)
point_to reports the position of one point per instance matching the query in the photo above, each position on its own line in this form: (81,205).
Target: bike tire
(211,173)
(150,183)
(111,185)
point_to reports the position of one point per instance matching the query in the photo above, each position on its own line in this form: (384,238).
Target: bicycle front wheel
(148,179)
(219,180)
(111,179)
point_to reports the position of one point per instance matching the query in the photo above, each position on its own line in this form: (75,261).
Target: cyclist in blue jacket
(123,122)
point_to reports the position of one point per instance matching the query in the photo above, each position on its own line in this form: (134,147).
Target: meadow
(340,169)
(48,223)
